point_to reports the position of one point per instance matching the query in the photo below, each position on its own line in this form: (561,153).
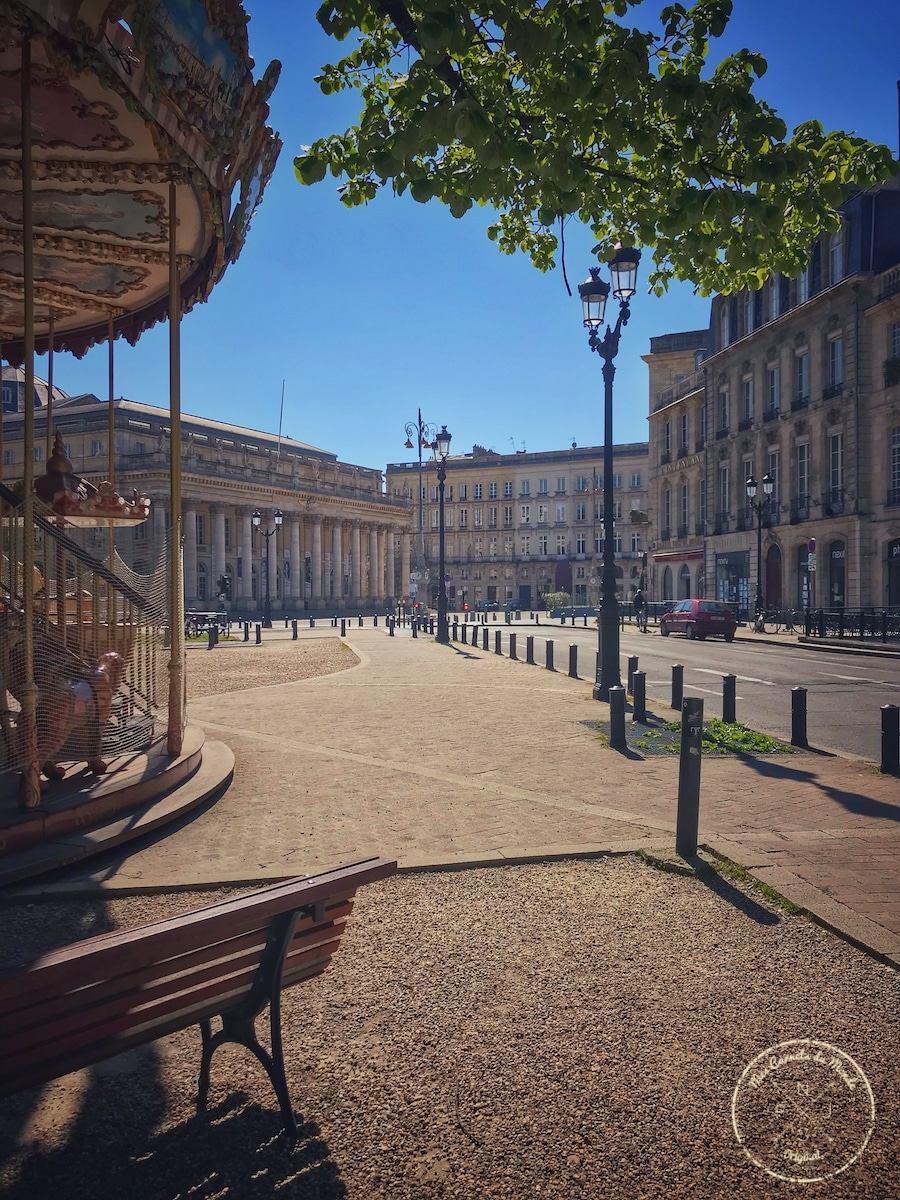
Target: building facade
(520,525)
(342,545)
(800,382)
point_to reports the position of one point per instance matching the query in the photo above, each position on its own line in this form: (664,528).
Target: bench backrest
(89,1001)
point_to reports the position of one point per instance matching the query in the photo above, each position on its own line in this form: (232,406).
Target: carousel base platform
(84,814)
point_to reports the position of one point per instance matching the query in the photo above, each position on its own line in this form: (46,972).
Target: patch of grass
(328,1094)
(718,738)
(729,870)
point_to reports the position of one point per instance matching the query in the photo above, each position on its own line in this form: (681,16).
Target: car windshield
(712,606)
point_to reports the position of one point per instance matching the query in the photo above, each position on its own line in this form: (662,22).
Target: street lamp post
(441,447)
(760,508)
(424,433)
(267,533)
(594,293)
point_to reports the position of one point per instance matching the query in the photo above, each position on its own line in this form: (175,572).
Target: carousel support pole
(111,476)
(49,429)
(79,609)
(30,796)
(175,732)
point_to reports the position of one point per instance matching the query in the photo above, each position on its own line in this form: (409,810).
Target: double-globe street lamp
(594,293)
(760,508)
(267,533)
(441,448)
(424,433)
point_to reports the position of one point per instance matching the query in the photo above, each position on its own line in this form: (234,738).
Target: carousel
(133,153)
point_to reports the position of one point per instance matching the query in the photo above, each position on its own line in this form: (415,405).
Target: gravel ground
(557,1030)
(234,666)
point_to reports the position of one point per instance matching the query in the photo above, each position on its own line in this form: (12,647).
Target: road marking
(711,691)
(848,678)
(742,678)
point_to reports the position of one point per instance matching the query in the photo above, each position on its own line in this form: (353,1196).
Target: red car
(699,619)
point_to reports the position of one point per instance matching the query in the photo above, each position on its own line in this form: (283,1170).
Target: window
(685,507)
(524,487)
(683,445)
(229,526)
(894,493)
(836,257)
(773,387)
(560,513)
(434,518)
(492,546)
(747,398)
(448,517)
(201,530)
(617,481)
(580,512)
(724,490)
(636,479)
(802,377)
(477,491)
(8,458)
(38,453)
(96,447)
(894,342)
(580,544)
(424,492)
(723,412)
(702,438)
(464,518)
(582,483)
(449,493)
(508,549)
(543,514)
(478,516)
(617,543)
(635,543)
(139,448)
(724,325)
(560,483)
(463,491)
(803,286)
(526,514)
(802,470)
(201,580)
(560,544)
(492,517)
(542,487)
(773,297)
(836,361)
(748,304)
(478,544)
(667,441)
(835,462)
(667,513)
(434,494)
(526,544)
(773,466)
(507,514)
(140,532)
(542,544)
(701,501)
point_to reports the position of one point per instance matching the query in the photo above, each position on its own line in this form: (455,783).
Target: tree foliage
(547,110)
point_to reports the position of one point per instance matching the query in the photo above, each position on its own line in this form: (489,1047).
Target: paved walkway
(449,755)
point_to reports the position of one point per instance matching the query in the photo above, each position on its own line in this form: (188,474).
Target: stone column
(404,564)
(390,586)
(373,562)
(296,589)
(158,517)
(217,512)
(337,561)
(189,509)
(244,589)
(317,560)
(355,565)
(271,560)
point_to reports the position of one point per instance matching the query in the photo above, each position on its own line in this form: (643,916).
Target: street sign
(811,545)
(811,563)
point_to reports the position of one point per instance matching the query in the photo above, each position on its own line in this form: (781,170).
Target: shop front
(733,580)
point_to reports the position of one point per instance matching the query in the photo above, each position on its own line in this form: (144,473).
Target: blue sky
(368,314)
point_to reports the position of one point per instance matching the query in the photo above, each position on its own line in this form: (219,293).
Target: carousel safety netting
(99,601)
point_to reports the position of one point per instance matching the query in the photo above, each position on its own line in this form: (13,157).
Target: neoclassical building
(800,382)
(520,525)
(342,544)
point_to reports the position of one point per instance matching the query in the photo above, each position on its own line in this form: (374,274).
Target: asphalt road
(845,692)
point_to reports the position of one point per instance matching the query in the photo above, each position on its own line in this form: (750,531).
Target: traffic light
(223,583)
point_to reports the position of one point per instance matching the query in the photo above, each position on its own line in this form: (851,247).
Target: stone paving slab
(447,754)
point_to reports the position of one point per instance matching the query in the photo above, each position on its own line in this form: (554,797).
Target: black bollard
(294,630)
(529,649)
(632,667)
(729,684)
(798,717)
(211,635)
(334,622)
(537,618)
(549,656)
(639,697)
(498,647)
(573,661)
(415,628)
(359,622)
(246,631)
(375,621)
(617,717)
(431,626)
(343,627)
(390,622)
(688,813)
(312,622)
(465,632)
(484,638)
(677,685)
(890,739)
(512,645)
(820,623)
(285,622)
(259,635)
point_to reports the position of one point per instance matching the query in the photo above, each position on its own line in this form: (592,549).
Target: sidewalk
(454,756)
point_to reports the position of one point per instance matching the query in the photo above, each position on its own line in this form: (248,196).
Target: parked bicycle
(778,620)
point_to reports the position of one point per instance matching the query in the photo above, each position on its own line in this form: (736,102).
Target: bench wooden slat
(36,1006)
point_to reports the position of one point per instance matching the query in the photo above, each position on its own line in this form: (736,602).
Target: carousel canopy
(125,98)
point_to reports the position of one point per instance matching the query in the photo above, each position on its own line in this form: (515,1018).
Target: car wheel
(729,637)
(663,630)
(701,637)
(689,633)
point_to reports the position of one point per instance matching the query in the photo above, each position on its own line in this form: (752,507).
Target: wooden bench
(89,1001)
